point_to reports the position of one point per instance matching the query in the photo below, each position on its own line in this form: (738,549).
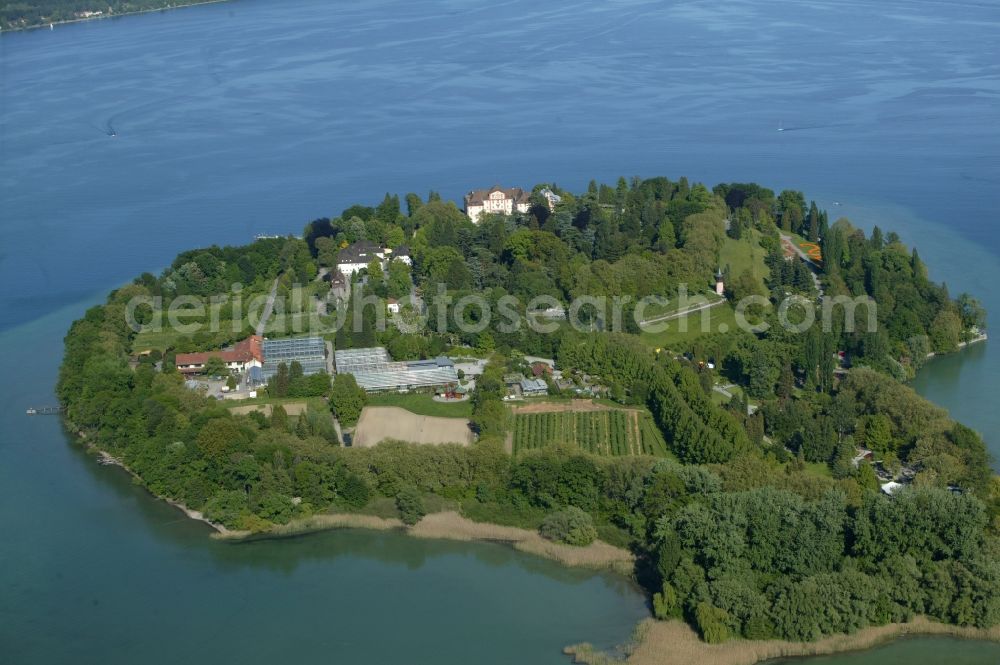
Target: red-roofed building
(540,369)
(245,354)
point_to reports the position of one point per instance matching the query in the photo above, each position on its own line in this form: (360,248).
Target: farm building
(375,371)
(239,358)
(310,352)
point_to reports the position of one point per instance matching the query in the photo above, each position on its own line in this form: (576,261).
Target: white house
(551,197)
(495,200)
(401,253)
(392,305)
(356,257)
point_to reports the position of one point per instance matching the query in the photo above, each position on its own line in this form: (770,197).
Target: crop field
(603,432)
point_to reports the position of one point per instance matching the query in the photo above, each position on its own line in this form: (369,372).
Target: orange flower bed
(812,250)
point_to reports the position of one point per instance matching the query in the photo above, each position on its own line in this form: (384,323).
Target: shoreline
(69,21)
(653,642)
(981,337)
(676,643)
(450,525)
(446,525)
(107,459)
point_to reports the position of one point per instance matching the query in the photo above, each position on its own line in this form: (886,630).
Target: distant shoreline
(676,643)
(181,4)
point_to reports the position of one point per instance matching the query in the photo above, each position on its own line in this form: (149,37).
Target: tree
(666,239)
(761,374)
(490,418)
(219,437)
(375,274)
(712,623)
(326,251)
(571,525)
(410,505)
(216,366)
(971,311)
(279,418)
(946,331)
(394,236)
(745,285)
(278,385)
(398,279)
(413,203)
(347,399)
(352,488)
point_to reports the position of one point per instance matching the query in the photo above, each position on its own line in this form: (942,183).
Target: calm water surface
(258,116)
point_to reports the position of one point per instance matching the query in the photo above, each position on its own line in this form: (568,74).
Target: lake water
(256,116)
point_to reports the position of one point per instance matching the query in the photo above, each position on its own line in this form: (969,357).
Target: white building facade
(495,200)
(358,256)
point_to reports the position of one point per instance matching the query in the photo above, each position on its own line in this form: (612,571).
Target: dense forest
(15,15)
(762,526)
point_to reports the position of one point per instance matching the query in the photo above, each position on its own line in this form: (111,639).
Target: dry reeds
(675,643)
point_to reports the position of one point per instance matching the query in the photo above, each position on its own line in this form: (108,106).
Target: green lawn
(721,318)
(744,254)
(160,340)
(719,399)
(653,310)
(819,469)
(422,404)
(299,323)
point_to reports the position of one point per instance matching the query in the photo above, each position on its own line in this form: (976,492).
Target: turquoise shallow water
(257,116)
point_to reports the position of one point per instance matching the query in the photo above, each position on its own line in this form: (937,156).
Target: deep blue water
(257,116)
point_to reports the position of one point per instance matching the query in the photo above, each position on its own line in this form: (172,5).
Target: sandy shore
(446,525)
(676,643)
(452,526)
(598,555)
(322,522)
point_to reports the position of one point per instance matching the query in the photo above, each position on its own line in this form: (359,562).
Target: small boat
(780,127)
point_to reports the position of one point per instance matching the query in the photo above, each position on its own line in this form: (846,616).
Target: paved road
(268,308)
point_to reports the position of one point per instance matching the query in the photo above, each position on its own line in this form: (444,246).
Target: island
(41,13)
(703,389)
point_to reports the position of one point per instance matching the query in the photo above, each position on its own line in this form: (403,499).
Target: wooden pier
(44,410)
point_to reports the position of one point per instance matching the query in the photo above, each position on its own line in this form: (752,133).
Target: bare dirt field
(379,423)
(574,406)
(291,408)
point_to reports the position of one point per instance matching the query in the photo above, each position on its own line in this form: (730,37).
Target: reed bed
(676,643)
